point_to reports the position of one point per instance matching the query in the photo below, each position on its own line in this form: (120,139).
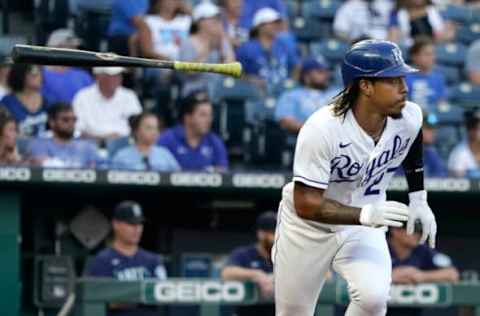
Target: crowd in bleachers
(290,50)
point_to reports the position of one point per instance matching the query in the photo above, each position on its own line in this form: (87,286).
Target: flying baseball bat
(40,55)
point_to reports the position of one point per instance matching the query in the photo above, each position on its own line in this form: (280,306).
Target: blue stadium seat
(452,74)
(234,89)
(309,29)
(452,54)
(332,49)
(469,33)
(283,86)
(450,114)
(446,138)
(323,9)
(465,94)
(457,13)
(293,8)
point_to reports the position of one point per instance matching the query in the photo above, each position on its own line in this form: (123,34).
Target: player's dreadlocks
(344,101)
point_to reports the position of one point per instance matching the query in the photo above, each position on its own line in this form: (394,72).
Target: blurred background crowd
(290,50)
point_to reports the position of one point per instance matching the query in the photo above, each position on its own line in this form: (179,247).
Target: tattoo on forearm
(333,212)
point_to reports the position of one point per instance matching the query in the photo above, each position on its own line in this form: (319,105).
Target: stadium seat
(322,9)
(465,95)
(446,138)
(452,54)
(457,13)
(91,26)
(234,89)
(282,86)
(8,42)
(468,33)
(450,114)
(310,29)
(452,74)
(332,49)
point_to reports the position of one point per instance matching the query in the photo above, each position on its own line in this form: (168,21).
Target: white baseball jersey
(335,154)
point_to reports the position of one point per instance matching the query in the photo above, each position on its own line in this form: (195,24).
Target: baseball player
(334,212)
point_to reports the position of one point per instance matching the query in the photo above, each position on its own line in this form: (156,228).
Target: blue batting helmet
(374,58)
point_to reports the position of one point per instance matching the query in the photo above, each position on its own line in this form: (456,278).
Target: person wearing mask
(192,142)
(414,263)
(61,83)
(25,101)
(144,154)
(125,260)
(413,18)
(464,160)
(427,87)
(434,165)
(9,154)
(253,263)
(295,106)
(62,150)
(267,59)
(103,108)
(207,43)
(357,19)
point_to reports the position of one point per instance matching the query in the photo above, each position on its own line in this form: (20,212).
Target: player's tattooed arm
(310,204)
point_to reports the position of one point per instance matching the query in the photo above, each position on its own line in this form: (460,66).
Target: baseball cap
(63,37)
(267,221)
(112,71)
(205,10)
(265,15)
(312,63)
(129,212)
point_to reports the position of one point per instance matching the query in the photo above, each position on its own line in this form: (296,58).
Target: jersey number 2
(371,187)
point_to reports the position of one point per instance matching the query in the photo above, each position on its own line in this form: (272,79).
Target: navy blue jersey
(143,265)
(423,258)
(248,257)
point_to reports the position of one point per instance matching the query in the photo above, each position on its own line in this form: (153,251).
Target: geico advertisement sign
(418,294)
(258,180)
(209,291)
(69,175)
(128,177)
(196,179)
(15,174)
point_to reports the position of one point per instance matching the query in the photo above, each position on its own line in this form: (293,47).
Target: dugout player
(253,263)
(334,212)
(124,260)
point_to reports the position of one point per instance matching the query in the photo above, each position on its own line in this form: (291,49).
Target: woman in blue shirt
(144,154)
(25,102)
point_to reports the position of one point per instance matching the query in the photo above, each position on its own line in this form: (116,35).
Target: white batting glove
(386,213)
(419,210)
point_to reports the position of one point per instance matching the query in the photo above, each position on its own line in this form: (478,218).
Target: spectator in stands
(191,142)
(464,160)
(207,43)
(357,19)
(267,59)
(61,83)
(414,18)
(25,101)
(126,20)
(144,154)
(295,106)
(251,7)
(62,150)
(167,25)
(8,139)
(253,263)
(414,263)
(4,72)
(472,63)
(427,87)
(125,260)
(231,14)
(434,166)
(103,108)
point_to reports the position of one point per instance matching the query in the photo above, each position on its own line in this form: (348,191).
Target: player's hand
(385,213)
(419,210)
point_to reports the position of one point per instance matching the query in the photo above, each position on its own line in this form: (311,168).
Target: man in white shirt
(103,108)
(362,18)
(334,213)
(463,160)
